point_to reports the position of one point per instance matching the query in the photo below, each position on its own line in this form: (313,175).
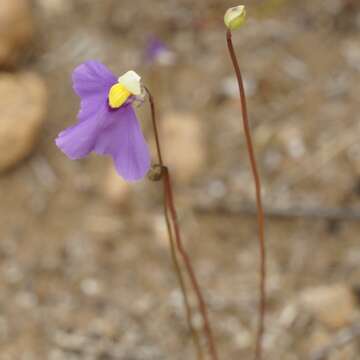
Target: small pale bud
(235,17)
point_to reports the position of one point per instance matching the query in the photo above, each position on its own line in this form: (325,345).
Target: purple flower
(157,52)
(107,123)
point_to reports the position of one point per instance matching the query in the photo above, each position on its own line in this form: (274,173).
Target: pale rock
(353,154)
(295,68)
(23,102)
(351,52)
(26,299)
(216,189)
(16,29)
(321,345)
(90,287)
(293,140)
(116,190)
(55,7)
(317,340)
(160,230)
(182,137)
(333,306)
(230,89)
(345,353)
(242,339)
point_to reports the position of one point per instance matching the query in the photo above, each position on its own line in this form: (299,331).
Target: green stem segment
(260,211)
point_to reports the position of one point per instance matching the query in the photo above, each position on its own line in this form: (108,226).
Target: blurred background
(85,264)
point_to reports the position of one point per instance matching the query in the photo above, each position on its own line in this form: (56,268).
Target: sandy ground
(84,279)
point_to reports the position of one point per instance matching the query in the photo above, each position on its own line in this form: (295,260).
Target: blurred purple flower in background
(157,52)
(107,123)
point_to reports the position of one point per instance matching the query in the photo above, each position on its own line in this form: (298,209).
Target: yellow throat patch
(118,94)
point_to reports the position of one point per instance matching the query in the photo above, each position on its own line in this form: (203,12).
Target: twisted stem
(260,211)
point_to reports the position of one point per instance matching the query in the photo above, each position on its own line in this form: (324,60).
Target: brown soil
(84,280)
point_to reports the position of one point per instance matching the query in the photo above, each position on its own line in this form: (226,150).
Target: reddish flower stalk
(168,213)
(194,334)
(260,211)
(170,206)
(202,305)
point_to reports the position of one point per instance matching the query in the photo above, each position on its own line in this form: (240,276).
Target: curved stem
(187,262)
(175,261)
(194,333)
(260,211)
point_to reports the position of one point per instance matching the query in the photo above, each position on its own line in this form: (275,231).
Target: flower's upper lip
(132,82)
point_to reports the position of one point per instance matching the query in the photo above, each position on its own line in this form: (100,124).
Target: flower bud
(235,17)
(155,173)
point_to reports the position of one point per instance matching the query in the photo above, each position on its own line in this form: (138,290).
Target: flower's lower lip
(104,129)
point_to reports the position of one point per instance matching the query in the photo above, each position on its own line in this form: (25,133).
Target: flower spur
(107,123)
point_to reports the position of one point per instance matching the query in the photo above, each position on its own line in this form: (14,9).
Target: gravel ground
(86,272)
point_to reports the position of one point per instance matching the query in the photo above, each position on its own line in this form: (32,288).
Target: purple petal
(154,48)
(123,140)
(92,82)
(79,140)
(103,130)
(91,78)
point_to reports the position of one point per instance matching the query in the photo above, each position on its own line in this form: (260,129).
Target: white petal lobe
(132,81)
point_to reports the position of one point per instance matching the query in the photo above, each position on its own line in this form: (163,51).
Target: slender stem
(189,316)
(195,336)
(156,132)
(194,282)
(260,211)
